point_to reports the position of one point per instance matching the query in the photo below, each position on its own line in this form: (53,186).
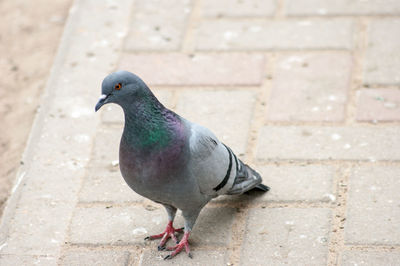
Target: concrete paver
(307,91)
(370,258)
(291,236)
(279,35)
(154,34)
(324,143)
(90,257)
(373,214)
(310,87)
(226,8)
(298,183)
(378,105)
(196,69)
(342,7)
(382,59)
(203,257)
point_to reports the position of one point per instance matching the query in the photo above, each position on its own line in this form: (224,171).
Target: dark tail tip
(262,187)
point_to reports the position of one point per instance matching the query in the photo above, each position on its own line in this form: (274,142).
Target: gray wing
(210,162)
(216,168)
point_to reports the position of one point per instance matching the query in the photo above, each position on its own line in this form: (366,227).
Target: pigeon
(170,160)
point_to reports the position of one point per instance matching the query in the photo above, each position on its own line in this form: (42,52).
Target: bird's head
(121,87)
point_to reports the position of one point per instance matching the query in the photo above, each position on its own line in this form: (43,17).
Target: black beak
(101,102)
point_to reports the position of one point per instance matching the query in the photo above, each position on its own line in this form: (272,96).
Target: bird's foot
(169,232)
(178,248)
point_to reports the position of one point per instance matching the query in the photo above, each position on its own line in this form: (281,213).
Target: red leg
(178,248)
(169,232)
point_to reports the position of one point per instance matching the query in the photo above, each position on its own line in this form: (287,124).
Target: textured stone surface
(59,147)
(210,60)
(378,105)
(279,35)
(198,69)
(213,227)
(286,236)
(370,258)
(342,7)
(321,143)
(87,257)
(310,87)
(107,186)
(254,8)
(26,260)
(149,30)
(122,225)
(200,257)
(382,59)
(116,225)
(373,211)
(106,149)
(297,183)
(218,111)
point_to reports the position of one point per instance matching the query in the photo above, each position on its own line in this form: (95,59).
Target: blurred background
(315,85)
(30,33)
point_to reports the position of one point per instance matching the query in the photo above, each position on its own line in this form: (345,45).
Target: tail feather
(246,179)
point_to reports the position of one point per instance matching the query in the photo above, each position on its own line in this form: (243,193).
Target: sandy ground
(29,35)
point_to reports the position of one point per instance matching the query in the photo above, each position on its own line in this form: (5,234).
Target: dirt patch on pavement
(30,32)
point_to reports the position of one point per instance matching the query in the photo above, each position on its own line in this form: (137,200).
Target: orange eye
(118,86)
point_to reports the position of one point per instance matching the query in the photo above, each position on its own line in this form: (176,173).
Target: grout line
(357,70)
(280,13)
(188,40)
(336,242)
(260,107)
(280,10)
(372,247)
(238,233)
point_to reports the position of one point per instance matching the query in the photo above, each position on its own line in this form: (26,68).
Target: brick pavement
(315,86)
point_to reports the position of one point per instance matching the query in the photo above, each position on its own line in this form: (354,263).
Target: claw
(168,233)
(168,257)
(178,248)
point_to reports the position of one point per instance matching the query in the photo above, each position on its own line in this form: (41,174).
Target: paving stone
(112,113)
(371,258)
(322,143)
(36,221)
(116,225)
(218,111)
(373,211)
(105,186)
(298,183)
(310,87)
(105,152)
(253,8)
(82,256)
(286,236)
(37,227)
(197,69)
(378,105)
(122,225)
(148,30)
(382,59)
(26,260)
(200,257)
(342,7)
(213,227)
(274,35)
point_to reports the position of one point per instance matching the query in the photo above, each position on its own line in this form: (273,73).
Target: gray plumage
(171,160)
